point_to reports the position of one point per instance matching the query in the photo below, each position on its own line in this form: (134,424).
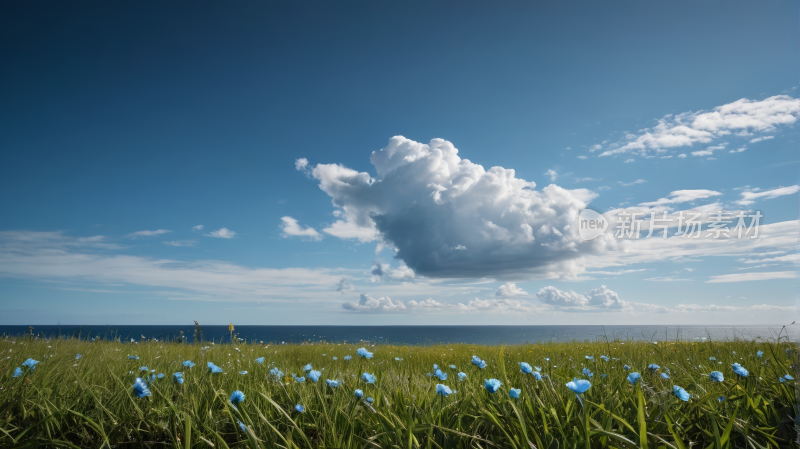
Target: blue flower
(348,357)
(491,384)
(664,376)
(588,357)
(144,368)
(537,375)
(78,356)
(462,377)
(307,368)
(525,368)
(739,369)
(242,372)
(260,360)
(17,372)
(441,375)
(713,359)
(314,375)
(653,367)
(241,426)
(634,377)
(626,367)
(435,367)
(368,378)
(332,383)
(716,376)
(536,368)
(178,377)
(514,393)
(300,379)
(579,386)
(604,357)
(603,375)
(133,357)
(477,360)
(443,390)
(237,397)
(788,377)
(587,373)
(275,372)
(452,367)
(299,408)
(760,354)
(30,364)
(214,368)
(152,378)
(721,398)
(359,393)
(188,364)
(397,359)
(364,353)
(370,400)
(140,388)
(160,375)
(680,393)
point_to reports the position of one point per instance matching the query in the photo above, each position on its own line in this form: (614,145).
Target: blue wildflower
(242,372)
(536,368)
(332,383)
(716,376)
(435,367)
(144,368)
(348,357)
(587,373)
(664,376)
(634,377)
(18,372)
(477,361)
(721,398)
(440,374)
(514,393)
(579,386)
(214,368)
(626,367)
(307,368)
(760,354)
(680,393)
(359,393)
(605,358)
(368,378)
(462,377)
(237,397)
(713,359)
(78,356)
(452,367)
(178,377)
(653,367)
(335,358)
(788,377)
(397,359)
(443,390)
(491,384)
(275,372)
(188,364)
(370,400)
(603,375)
(314,375)
(588,357)
(241,426)
(525,368)
(739,370)
(260,360)
(299,408)
(160,375)
(133,357)
(537,375)
(30,364)
(151,379)
(364,353)
(140,388)
(300,379)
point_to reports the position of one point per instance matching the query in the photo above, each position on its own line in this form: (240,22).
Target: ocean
(416,335)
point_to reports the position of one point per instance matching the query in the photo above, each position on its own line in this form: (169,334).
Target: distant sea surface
(417,335)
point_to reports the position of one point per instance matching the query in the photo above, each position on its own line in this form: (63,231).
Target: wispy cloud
(744,277)
(750,196)
(181,242)
(136,234)
(290,228)
(222,233)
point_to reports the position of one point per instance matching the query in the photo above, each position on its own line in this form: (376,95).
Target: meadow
(666,394)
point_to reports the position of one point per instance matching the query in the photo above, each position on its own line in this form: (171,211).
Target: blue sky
(125,127)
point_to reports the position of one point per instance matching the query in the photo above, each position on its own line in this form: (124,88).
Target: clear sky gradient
(209,161)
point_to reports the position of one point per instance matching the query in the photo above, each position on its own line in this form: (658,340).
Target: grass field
(91,401)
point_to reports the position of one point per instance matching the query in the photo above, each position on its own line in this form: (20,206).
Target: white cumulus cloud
(222,233)
(290,228)
(508,290)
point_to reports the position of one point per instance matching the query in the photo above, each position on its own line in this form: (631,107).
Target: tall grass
(90,402)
